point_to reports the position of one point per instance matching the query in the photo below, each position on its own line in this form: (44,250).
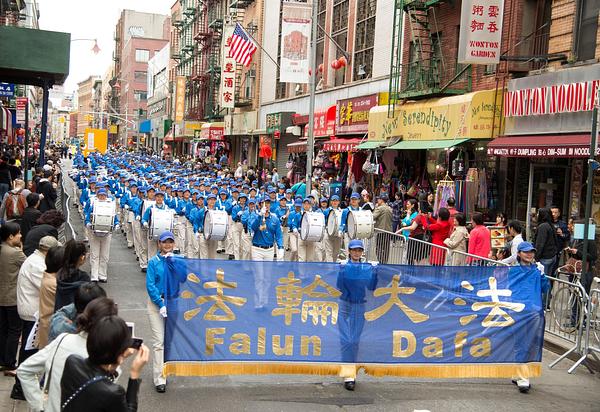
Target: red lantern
(321,68)
(342,61)
(335,65)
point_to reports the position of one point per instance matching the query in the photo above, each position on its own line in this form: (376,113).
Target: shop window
(588,30)
(140,76)
(364,39)
(142,56)
(140,95)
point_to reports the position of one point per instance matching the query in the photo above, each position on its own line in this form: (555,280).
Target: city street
(555,390)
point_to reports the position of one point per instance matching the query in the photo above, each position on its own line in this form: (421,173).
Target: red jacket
(439,232)
(480,242)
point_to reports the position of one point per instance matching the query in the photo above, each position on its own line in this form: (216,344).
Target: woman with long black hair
(70,276)
(11,259)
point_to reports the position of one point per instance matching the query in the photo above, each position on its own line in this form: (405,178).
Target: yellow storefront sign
(95,140)
(468,116)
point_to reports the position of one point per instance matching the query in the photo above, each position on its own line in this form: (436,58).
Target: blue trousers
(351,323)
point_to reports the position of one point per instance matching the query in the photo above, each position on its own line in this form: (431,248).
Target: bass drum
(334,221)
(312,227)
(216,224)
(360,224)
(161,221)
(103,216)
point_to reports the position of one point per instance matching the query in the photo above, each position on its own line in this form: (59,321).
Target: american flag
(242,47)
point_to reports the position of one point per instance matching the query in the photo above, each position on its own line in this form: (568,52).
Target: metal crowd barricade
(589,334)
(458,258)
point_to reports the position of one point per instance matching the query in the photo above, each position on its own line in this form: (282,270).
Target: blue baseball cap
(525,247)
(101,192)
(355,196)
(289,191)
(335,197)
(166,236)
(356,244)
(211,196)
(251,201)
(306,200)
(298,203)
(159,193)
(324,199)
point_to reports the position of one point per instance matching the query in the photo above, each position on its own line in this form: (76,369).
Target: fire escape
(215,15)
(431,71)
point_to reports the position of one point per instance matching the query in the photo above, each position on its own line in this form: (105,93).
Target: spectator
(239,172)
(50,361)
(480,242)
(275,177)
(15,171)
(70,276)
(562,229)
(5,178)
(451,207)
(575,251)
(458,240)
(14,203)
(515,230)
(11,259)
(39,174)
(47,225)
(53,261)
(501,220)
(396,206)
(419,250)
(546,243)
(299,188)
(47,188)
(440,231)
(65,319)
(410,214)
(431,200)
(382,215)
(108,344)
(31,213)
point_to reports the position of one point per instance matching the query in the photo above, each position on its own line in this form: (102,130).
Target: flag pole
(311,103)
(260,47)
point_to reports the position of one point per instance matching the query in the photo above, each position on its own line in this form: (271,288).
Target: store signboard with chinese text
(295,42)
(278,121)
(471,116)
(179,98)
(21,106)
(352,115)
(227,91)
(485,322)
(324,123)
(480,31)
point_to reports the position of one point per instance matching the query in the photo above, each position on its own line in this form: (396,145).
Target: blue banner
(231,317)
(7,89)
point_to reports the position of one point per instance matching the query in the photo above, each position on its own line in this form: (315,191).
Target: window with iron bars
(339,32)
(280,88)
(364,40)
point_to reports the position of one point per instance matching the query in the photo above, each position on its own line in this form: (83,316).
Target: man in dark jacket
(46,188)
(47,225)
(31,214)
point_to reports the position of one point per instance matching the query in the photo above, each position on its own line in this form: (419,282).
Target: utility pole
(590,184)
(312,86)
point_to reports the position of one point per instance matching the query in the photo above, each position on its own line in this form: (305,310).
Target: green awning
(370,144)
(425,144)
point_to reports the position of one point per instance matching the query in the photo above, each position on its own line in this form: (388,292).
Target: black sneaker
(161,388)
(349,385)
(17,393)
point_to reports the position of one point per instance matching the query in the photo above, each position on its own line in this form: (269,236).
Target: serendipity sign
(558,98)
(480,31)
(332,319)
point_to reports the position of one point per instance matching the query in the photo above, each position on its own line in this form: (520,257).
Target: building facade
(85,101)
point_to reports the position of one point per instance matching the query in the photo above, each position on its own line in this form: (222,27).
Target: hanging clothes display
(445,190)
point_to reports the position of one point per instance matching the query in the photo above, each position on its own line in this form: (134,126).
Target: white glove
(198,235)
(163,311)
(263,210)
(138,218)
(295,230)
(126,207)
(88,225)
(117,227)
(280,255)
(240,213)
(146,225)
(340,233)
(374,264)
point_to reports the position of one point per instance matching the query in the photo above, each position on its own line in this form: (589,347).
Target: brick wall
(561,29)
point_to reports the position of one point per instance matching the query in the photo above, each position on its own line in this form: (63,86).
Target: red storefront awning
(297,147)
(558,145)
(341,145)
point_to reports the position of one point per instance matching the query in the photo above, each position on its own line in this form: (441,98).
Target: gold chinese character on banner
(394,300)
(219,300)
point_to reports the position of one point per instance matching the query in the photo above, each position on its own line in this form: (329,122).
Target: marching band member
(237,228)
(321,247)
(193,207)
(306,249)
(334,243)
(147,221)
(294,222)
(179,204)
(247,234)
(354,206)
(222,204)
(267,232)
(209,247)
(283,213)
(125,200)
(99,241)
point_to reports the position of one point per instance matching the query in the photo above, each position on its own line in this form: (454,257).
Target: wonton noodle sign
(323,318)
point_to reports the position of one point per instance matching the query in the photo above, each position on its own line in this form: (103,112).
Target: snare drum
(360,224)
(312,227)
(161,221)
(103,216)
(216,224)
(334,221)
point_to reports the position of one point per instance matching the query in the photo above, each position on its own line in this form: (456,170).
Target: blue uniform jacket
(272,234)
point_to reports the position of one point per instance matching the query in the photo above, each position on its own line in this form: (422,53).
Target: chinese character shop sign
(352,115)
(480,31)
(227,72)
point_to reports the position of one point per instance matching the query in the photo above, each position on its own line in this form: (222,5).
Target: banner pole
(311,107)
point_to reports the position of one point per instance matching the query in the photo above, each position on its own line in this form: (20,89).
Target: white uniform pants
(262,277)
(229,244)
(191,241)
(321,247)
(179,231)
(332,248)
(139,242)
(152,248)
(99,255)
(157,325)
(211,248)
(236,238)
(294,243)
(129,228)
(306,251)
(246,253)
